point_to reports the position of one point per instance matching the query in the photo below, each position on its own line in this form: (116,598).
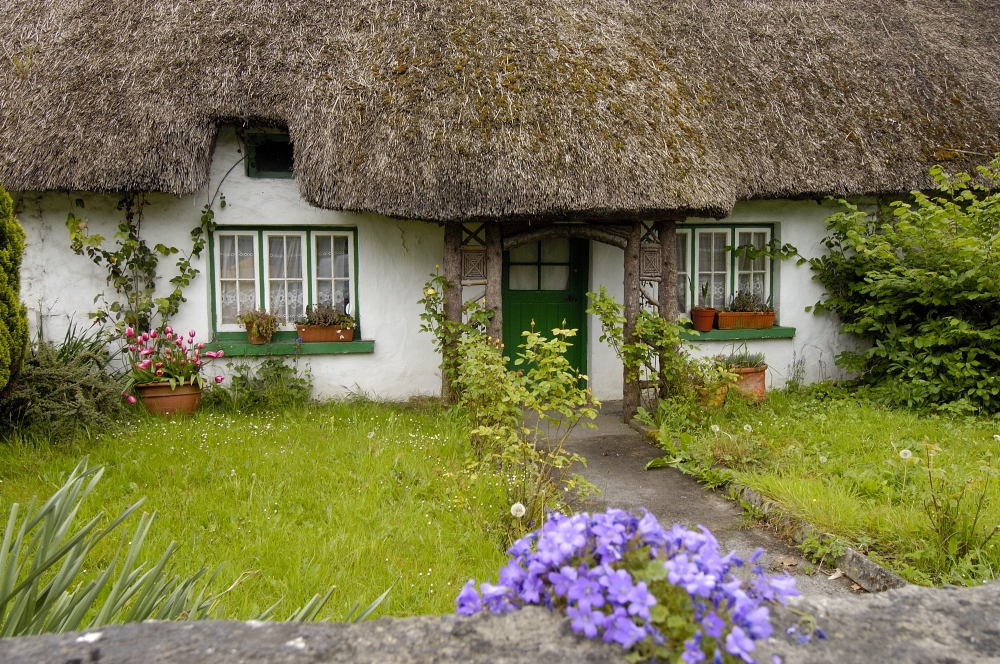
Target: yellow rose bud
(430,291)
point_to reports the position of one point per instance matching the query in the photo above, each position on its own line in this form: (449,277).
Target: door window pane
(555,277)
(526,253)
(523,277)
(555,250)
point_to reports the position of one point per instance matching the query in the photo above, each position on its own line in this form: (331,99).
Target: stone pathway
(616,459)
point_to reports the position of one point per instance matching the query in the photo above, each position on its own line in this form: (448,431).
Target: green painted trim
(736,335)
(237,349)
(211,281)
(310,274)
(262,303)
(356,307)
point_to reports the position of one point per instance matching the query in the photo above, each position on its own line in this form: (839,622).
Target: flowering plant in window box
(260,325)
(747,311)
(666,594)
(166,370)
(324,323)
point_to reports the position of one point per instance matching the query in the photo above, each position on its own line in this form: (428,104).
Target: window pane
(758,283)
(527,253)
(324,292)
(276,256)
(324,256)
(227,257)
(719,252)
(743,282)
(247,266)
(555,250)
(554,277)
(229,302)
(293,251)
(702,280)
(524,277)
(247,296)
(276,299)
(682,286)
(295,301)
(341,295)
(343,265)
(705,252)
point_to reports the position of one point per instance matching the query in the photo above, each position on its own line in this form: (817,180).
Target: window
(713,268)
(703,259)
(270,154)
(297,267)
(540,266)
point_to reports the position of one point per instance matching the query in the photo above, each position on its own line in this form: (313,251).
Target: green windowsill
(234,344)
(775,332)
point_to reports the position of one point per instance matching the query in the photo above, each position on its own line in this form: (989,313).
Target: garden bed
(348,494)
(858,471)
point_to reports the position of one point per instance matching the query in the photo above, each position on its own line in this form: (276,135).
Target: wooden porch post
(667,293)
(494,278)
(452,267)
(630,384)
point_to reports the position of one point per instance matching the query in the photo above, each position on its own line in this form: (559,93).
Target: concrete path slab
(616,458)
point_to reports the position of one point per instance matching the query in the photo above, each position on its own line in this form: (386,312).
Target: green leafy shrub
(922,287)
(13,315)
(63,389)
(270,385)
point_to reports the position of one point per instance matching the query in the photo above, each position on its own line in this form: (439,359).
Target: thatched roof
(447,109)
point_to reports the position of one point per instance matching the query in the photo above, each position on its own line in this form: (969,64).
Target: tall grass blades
(43,553)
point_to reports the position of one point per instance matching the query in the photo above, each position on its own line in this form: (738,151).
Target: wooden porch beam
(494,278)
(580,231)
(452,269)
(633,249)
(666,230)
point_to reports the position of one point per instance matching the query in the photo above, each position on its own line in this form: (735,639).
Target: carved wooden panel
(473,266)
(649,262)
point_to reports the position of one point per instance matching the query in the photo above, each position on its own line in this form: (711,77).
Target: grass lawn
(353,494)
(836,463)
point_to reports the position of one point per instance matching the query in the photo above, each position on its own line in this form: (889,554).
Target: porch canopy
(449,110)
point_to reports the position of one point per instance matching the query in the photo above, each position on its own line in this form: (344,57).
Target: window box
(745,320)
(324,333)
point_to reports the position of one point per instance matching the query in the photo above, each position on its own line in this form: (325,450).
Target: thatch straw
(450,109)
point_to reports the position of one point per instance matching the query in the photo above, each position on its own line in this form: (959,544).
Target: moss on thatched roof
(448,109)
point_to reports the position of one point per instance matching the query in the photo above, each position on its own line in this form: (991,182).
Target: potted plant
(260,325)
(747,311)
(703,317)
(711,379)
(750,371)
(324,323)
(166,370)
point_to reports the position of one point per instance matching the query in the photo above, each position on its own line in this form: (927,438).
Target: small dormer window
(269,155)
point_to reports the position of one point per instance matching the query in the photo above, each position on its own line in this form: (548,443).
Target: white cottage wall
(394,259)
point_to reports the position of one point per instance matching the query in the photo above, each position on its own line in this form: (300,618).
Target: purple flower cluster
(579,562)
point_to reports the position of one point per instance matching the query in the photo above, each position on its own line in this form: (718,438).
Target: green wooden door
(546,282)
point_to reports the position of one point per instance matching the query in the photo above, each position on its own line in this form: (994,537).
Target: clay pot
(253,338)
(159,399)
(703,319)
(745,320)
(751,382)
(712,396)
(312,333)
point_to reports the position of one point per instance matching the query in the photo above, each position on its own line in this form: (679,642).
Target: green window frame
(230,336)
(259,144)
(732,267)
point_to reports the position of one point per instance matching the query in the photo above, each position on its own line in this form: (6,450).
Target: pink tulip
(145,336)
(219,379)
(146,352)
(131,348)
(124,395)
(198,363)
(200,346)
(152,335)
(131,399)
(179,341)
(191,333)
(183,362)
(168,329)
(170,336)
(212,354)
(159,365)
(221,353)
(129,332)
(159,372)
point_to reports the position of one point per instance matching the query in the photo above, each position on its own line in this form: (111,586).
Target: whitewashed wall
(394,259)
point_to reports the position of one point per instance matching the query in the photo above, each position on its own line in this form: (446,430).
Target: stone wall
(906,626)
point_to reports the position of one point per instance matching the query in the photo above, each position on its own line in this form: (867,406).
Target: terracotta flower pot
(745,320)
(159,399)
(254,339)
(712,396)
(703,319)
(327,333)
(751,382)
